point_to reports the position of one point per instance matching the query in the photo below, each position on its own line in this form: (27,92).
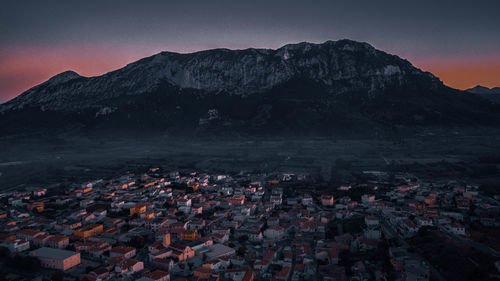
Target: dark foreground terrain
(45,160)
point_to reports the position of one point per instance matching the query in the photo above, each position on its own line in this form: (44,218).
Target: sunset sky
(458,41)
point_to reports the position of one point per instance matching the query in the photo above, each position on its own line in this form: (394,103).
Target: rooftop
(53,253)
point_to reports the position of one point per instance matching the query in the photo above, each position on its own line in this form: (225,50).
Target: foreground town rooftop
(190,225)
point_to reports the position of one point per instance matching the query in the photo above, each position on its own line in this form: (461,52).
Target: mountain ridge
(328,88)
(235,71)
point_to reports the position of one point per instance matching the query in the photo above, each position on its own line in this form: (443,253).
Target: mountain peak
(63,77)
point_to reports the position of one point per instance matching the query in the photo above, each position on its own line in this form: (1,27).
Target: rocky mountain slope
(327,88)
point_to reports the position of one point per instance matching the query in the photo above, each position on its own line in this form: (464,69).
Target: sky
(458,41)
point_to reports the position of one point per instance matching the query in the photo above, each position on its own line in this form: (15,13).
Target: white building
(17,245)
(275,232)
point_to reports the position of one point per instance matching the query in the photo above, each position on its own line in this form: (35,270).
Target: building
(29,234)
(189,235)
(17,245)
(138,209)
(38,206)
(184,202)
(457,229)
(203,273)
(218,251)
(129,266)
(327,200)
(181,251)
(56,258)
(88,231)
(274,232)
(237,200)
(57,241)
(371,221)
(366,198)
(307,200)
(122,251)
(157,275)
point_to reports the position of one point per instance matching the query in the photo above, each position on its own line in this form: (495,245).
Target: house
(261,265)
(457,229)
(327,200)
(273,221)
(156,247)
(371,221)
(129,266)
(424,221)
(237,200)
(307,200)
(218,264)
(56,258)
(88,231)
(328,254)
(40,240)
(122,251)
(29,234)
(184,202)
(157,253)
(181,251)
(408,227)
(276,199)
(138,209)
(100,273)
(196,224)
(274,232)
(345,238)
(57,241)
(157,275)
(344,187)
(38,206)
(239,274)
(219,237)
(372,233)
(166,264)
(283,274)
(255,235)
(156,224)
(203,273)
(366,198)
(17,245)
(189,235)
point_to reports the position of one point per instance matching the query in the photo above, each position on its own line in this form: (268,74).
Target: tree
(241,251)
(243,238)
(57,276)
(4,253)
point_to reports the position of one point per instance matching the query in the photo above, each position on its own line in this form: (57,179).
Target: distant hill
(333,88)
(492,94)
(483,90)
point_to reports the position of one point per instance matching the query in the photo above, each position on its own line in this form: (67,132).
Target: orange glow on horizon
(22,68)
(464,73)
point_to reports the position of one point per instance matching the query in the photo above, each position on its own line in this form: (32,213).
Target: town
(189,225)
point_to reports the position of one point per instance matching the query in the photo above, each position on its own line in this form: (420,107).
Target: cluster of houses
(164,225)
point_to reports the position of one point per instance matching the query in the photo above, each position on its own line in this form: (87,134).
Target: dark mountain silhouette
(337,87)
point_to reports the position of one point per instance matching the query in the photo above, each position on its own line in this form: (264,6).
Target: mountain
(337,87)
(483,90)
